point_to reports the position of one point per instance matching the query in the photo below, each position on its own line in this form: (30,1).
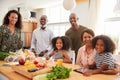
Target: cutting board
(23,71)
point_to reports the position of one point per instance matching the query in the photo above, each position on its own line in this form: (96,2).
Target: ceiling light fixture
(69,4)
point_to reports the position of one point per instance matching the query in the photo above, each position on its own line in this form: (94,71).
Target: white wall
(2,12)
(81,10)
(5,6)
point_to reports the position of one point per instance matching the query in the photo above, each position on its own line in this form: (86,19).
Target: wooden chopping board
(23,71)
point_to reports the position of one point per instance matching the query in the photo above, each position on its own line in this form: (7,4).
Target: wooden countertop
(12,75)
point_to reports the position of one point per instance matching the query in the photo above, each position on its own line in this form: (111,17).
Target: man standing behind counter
(41,38)
(74,33)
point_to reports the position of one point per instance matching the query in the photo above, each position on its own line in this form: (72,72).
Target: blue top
(58,55)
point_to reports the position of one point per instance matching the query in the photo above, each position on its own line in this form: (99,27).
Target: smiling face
(43,20)
(59,44)
(13,18)
(73,19)
(100,46)
(87,38)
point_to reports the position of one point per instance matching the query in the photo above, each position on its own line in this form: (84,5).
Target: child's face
(59,44)
(87,38)
(100,46)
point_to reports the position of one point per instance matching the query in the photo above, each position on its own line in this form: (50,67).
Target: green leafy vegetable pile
(59,72)
(4,55)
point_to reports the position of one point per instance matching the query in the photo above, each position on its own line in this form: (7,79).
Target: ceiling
(34,4)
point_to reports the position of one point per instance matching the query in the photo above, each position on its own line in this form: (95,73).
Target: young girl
(61,46)
(103,59)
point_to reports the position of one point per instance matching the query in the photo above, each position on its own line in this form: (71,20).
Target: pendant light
(69,4)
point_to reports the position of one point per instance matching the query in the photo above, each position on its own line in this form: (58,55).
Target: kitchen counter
(12,75)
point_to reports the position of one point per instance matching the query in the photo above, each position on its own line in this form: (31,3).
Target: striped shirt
(104,58)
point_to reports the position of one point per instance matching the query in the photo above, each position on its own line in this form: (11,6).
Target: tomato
(37,65)
(21,61)
(35,62)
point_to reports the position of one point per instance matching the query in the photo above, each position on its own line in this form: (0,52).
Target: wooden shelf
(27,29)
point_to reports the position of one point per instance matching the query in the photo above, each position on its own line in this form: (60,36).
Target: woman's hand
(111,71)
(87,73)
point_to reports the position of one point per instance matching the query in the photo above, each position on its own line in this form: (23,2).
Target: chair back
(116,59)
(72,56)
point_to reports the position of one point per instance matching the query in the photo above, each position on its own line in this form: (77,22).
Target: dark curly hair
(109,44)
(18,23)
(65,40)
(89,31)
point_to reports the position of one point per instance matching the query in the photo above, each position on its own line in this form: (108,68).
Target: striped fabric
(104,58)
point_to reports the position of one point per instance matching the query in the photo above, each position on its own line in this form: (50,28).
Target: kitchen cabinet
(27,30)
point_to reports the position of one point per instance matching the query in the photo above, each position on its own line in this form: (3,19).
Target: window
(109,22)
(58,19)
(59,29)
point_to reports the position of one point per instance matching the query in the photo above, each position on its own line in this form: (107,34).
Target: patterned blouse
(8,41)
(83,58)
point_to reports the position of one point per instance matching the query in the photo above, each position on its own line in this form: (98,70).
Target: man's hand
(33,50)
(43,52)
(47,57)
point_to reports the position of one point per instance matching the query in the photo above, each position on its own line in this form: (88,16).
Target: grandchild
(61,46)
(103,59)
